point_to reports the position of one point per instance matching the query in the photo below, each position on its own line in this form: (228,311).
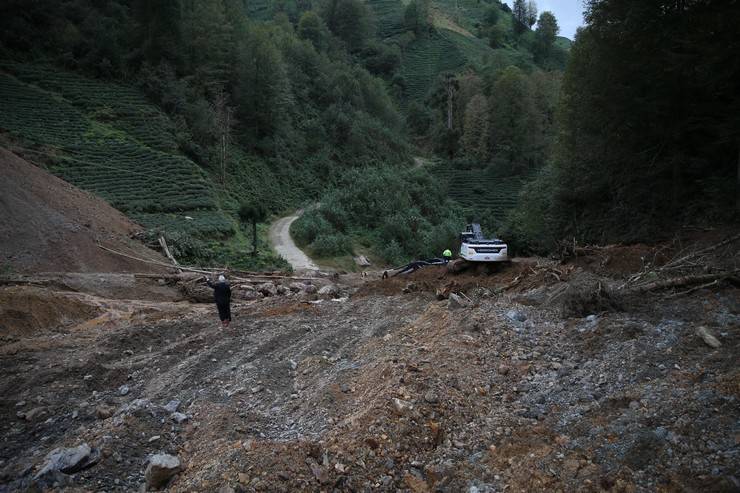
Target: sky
(569,14)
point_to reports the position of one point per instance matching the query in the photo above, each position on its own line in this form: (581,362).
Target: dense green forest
(182,112)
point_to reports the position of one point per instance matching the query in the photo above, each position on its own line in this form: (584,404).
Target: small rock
(123,390)
(401,406)
(455,302)
(154,438)
(708,338)
(344,388)
(431,397)
(172,406)
(104,412)
(310,289)
(87,377)
(179,417)
(31,414)
(258,388)
(516,316)
(160,470)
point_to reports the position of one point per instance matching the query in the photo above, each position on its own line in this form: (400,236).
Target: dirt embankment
(48,225)
(391,389)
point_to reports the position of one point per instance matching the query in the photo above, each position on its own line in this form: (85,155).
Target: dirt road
(285,247)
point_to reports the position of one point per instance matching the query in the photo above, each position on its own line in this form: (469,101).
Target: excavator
(474,247)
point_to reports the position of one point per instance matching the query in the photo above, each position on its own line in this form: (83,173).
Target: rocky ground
(513,383)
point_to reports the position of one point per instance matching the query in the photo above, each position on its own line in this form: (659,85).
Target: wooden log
(680,281)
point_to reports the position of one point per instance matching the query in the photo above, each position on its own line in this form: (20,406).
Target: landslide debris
(388,388)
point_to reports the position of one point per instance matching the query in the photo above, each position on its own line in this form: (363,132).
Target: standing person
(222,296)
(447,255)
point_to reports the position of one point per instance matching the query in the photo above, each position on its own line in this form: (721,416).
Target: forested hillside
(181,113)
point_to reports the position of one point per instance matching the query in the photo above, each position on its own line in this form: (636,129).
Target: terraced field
(123,108)
(389,17)
(425,59)
(107,138)
(211,223)
(481,189)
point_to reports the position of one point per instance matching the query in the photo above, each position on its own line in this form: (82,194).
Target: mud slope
(46,224)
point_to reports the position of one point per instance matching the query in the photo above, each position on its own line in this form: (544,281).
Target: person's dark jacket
(221,292)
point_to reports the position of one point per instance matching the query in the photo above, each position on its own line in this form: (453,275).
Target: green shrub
(331,245)
(310,226)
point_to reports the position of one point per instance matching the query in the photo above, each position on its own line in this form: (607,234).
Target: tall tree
(520,14)
(513,118)
(416,15)
(350,21)
(262,92)
(312,28)
(531,13)
(157,29)
(476,133)
(547,31)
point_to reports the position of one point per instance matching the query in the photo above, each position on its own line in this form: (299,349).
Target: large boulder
(362,261)
(161,469)
(330,291)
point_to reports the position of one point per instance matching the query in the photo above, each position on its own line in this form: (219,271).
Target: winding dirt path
(285,247)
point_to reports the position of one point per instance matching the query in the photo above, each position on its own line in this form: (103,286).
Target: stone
(160,470)
(178,417)
(431,397)
(362,261)
(455,302)
(172,406)
(330,290)
(707,336)
(401,406)
(267,289)
(516,316)
(310,289)
(297,287)
(104,412)
(123,390)
(69,460)
(31,414)
(283,290)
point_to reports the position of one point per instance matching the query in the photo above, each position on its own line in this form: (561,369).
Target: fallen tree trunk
(681,281)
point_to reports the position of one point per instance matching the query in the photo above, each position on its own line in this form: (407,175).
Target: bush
(310,226)
(331,245)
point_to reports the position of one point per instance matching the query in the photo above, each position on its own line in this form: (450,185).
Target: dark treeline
(649,125)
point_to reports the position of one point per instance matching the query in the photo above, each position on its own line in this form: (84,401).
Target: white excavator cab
(474,247)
